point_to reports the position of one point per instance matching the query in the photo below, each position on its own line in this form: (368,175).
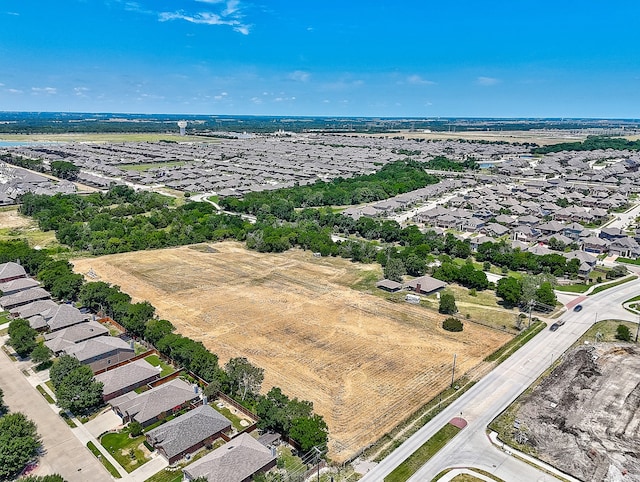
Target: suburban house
(41,307)
(237,461)
(188,432)
(23,298)
(425,285)
(10,271)
(17,285)
(626,247)
(101,352)
(155,404)
(123,379)
(59,341)
(594,244)
(64,316)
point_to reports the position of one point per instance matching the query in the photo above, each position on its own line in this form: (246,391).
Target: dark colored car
(554,327)
(578,308)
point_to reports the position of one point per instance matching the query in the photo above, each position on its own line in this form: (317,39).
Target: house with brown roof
(17,285)
(425,285)
(59,341)
(237,461)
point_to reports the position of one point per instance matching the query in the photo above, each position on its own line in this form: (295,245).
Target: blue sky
(419,58)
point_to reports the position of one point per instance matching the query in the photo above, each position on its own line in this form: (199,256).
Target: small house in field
(425,285)
(389,285)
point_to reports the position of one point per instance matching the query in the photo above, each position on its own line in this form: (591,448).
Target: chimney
(418,288)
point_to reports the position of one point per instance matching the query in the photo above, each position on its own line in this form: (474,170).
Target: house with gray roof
(22,298)
(64,316)
(10,271)
(237,461)
(17,285)
(188,433)
(123,379)
(155,404)
(101,352)
(59,341)
(41,308)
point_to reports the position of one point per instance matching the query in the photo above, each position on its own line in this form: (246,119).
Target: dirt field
(16,226)
(366,363)
(583,418)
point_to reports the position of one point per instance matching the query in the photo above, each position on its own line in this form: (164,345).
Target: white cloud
(81,91)
(487,81)
(15,14)
(14,91)
(299,76)
(256,100)
(44,90)
(1,84)
(417,80)
(230,15)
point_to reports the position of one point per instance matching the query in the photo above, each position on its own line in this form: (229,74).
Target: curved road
(483,402)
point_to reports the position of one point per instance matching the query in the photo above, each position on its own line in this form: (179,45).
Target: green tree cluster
(447,305)
(452,324)
(76,389)
(442,163)
(22,337)
(19,443)
(466,275)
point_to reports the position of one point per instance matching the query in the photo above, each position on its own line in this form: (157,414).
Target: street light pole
(453,370)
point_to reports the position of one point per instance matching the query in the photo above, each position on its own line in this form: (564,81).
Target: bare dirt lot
(366,363)
(583,418)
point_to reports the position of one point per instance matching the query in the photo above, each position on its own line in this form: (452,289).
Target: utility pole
(638,330)
(453,370)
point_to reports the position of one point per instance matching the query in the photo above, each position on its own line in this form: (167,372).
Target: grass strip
(628,260)
(421,456)
(67,420)
(467,477)
(506,350)
(44,393)
(108,465)
(576,288)
(598,289)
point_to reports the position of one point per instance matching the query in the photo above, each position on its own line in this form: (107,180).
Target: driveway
(64,454)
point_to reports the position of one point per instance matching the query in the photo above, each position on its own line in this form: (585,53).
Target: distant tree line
(591,143)
(62,169)
(442,163)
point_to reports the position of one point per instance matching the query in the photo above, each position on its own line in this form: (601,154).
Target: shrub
(452,324)
(623,333)
(135,429)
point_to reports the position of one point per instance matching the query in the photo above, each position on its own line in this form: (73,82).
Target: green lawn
(166,475)
(120,445)
(4,317)
(575,288)
(157,362)
(108,465)
(420,457)
(598,289)
(607,330)
(44,393)
(628,260)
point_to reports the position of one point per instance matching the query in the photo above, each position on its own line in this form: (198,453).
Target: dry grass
(366,363)
(16,226)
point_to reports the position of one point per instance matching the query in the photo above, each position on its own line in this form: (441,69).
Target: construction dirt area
(583,418)
(366,363)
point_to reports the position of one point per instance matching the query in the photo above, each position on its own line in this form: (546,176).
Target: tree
(546,295)
(135,428)
(394,269)
(245,379)
(156,329)
(19,443)
(79,391)
(452,324)
(41,354)
(309,432)
(510,290)
(62,368)
(22,337)
(447,303)
(64,170)
(623,333)
(212,389)
(2,407)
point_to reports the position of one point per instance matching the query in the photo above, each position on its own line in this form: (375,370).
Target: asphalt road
(496,391)
(64,454)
